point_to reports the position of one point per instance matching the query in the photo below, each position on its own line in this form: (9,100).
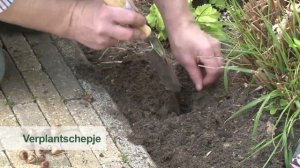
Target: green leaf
(272,109)
(206,14)
(218,3)
(155,20)
(296,43)
(283,102)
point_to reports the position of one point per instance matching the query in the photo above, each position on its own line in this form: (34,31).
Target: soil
(194,135)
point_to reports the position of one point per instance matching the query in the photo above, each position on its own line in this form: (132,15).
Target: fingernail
(199,87)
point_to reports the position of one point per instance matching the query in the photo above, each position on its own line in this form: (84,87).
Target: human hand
(199,53)
(99,26)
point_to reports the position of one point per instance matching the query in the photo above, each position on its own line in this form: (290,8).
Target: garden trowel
(157,56)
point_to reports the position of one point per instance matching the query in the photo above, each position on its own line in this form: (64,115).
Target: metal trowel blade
(162,66)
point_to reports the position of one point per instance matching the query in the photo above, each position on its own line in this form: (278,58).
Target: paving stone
(11,121)
(7,118)
(114,121)
(20,50)
(112,154)
(83,159)
(48,98)
(118,127)
(137,155)
(113,165)
(4,162)
(83,113)
(14,86)
(29,115)
(54,109)
(71,52)
(53,62)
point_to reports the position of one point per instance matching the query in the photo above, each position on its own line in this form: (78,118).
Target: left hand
(192,47)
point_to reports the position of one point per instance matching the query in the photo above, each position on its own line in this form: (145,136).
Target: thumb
(195,74)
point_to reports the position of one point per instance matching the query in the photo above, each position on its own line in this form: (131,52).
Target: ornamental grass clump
(265,41)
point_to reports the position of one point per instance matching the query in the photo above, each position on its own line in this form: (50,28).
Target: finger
(217,50)
(127,17)
(195,74)
(212,71)
(112,42)
(126,33)
(105,42)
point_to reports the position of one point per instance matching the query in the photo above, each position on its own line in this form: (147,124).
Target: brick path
(39,89)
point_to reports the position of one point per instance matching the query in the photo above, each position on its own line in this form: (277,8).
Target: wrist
(69,27)
(177,24)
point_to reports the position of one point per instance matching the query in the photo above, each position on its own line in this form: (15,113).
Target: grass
(124,157)
(265,45)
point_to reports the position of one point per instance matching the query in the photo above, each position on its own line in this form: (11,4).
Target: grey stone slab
(7,117)
(48,98)
(53,62)
(83,113)
(29,115)
(71,52)
(9,120)
(112,154)
(55,110)
(17,162)
(118,127)
(113,165)
(4,162)
(13,85)
(114,121)
(83,159)
(20,51)
(137,155)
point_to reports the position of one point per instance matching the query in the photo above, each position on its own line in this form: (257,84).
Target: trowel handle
(127,5)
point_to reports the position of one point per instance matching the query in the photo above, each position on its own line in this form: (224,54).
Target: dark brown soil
(196,136)
(193,136)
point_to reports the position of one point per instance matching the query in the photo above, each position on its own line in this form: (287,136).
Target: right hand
(99,26)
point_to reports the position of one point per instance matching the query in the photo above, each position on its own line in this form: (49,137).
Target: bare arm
(52,16)
(190,45)
(89,22)
(174,12)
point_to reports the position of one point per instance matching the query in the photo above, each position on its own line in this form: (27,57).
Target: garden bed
(197,136)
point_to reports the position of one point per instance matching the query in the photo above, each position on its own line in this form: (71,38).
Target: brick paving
(39,89)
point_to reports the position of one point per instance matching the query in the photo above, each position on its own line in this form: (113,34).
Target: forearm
(53,16)
(175,13)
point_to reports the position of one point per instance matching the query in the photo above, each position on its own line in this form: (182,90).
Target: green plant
(264,39)
(206,18)
(218,3)
(124,157)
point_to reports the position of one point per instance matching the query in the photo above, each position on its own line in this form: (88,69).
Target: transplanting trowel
(157,56)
